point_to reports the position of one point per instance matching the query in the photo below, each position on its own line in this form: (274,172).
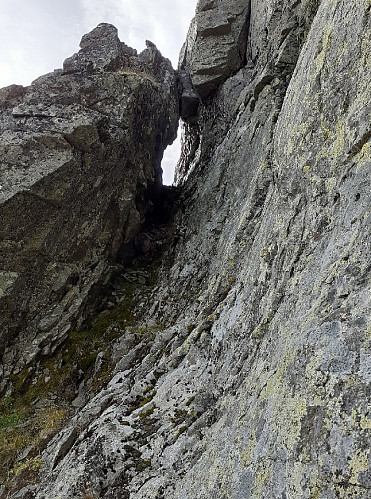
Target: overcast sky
(37,35)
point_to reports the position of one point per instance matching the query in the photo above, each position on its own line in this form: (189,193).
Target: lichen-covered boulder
(80,162)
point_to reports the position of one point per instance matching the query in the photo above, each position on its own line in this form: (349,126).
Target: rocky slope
(245,368)
(80,163)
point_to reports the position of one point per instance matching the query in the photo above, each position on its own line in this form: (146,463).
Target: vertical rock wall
(280,180)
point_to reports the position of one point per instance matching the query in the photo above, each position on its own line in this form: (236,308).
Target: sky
(37,35)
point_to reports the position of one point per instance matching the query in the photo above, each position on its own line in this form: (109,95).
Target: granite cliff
(229,355)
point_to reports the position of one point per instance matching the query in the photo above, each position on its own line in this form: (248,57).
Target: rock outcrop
(215,49)
(245,370)
(80,150)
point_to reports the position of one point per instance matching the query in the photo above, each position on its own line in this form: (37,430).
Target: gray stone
(256,384)
(71,183)
(215,47)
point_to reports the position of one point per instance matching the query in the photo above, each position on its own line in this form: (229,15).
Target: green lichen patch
(143,464)
(358,464)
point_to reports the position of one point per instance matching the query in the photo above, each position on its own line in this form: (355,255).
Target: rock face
(246,373)
(214,50)
(80,162)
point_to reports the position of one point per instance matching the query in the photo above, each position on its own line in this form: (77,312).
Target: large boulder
(80,162)
(215,49)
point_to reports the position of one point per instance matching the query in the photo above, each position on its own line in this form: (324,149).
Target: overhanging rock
(215,49)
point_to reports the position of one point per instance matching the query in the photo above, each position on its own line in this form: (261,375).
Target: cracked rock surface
(246,370)
(80,160)
(215,49)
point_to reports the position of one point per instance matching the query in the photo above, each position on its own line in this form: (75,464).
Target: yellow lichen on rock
(358,464)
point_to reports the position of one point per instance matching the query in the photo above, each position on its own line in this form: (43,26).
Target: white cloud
(35,37)
(169,162)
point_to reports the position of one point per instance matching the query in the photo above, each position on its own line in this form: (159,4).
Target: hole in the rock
(169,161)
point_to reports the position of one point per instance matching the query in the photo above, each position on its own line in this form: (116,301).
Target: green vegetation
(143,400)
(190,400)
(24,426)
(42,395)
(33,464)
(147,413)
(180,416)
(88,493)
(184,417)
(9,419)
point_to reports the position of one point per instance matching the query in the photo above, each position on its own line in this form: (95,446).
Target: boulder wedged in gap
(214,50)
